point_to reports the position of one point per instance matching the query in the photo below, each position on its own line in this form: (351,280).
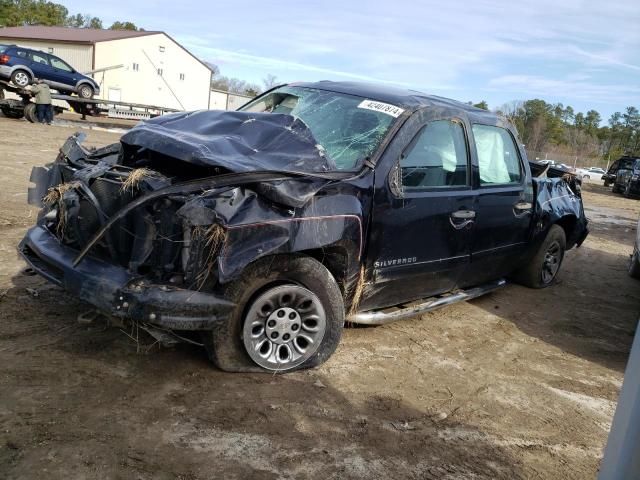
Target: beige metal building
(149,67)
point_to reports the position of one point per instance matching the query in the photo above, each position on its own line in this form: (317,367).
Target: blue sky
(582,53)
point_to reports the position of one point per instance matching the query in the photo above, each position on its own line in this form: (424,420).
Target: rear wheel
(545,264)
(21,78)
(289,315)
(11,113)
(85,91)
(30,112)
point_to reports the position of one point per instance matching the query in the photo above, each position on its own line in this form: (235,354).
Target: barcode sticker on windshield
(392,110)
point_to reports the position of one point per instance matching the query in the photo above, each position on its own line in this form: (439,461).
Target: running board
(380,317)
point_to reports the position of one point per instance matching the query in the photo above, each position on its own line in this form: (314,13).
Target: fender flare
(84,81)
(22,67)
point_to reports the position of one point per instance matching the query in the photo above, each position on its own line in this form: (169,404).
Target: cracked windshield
(347,132)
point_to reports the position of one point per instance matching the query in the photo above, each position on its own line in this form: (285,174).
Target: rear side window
(21,53)
(39,58)
(436,158)
(498,159)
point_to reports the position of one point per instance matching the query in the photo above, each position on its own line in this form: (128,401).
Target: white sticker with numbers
(392,110)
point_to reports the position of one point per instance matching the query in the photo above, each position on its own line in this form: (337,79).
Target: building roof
(86,36)
(68,34)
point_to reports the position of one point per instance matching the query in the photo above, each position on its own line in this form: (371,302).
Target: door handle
(462,219)
(522,209)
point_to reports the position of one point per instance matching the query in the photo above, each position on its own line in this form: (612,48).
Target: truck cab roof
(404,98)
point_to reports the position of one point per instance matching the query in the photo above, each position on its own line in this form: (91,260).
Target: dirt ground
(518,384)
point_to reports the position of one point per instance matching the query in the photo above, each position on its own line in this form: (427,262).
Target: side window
(60,65)
(39,58)
(498,159)
(21,53)
(436,158)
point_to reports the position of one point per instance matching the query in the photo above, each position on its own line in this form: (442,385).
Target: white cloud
(431,45)
(575,87)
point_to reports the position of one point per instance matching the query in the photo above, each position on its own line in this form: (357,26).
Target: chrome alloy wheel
(21,79)
(552,259)
(284,327)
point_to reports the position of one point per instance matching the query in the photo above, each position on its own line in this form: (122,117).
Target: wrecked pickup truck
(315,205)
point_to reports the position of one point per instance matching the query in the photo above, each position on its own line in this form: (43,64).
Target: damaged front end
(154,228)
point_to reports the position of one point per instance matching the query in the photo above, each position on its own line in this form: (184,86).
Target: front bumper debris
(115,291)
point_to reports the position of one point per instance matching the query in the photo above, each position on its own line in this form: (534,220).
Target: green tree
(94,22)
(31,12)
(75,21)
(41,12)
(483,105)
(123,26)
(592,122)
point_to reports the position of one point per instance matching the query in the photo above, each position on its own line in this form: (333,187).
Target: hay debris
(132,182)
(62,221)
(358,290)
(214,237)
(54,194)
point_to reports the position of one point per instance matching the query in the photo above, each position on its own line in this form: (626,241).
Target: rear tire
(247,329)
(30,112)
(545,264)
(21,78)
(11,113)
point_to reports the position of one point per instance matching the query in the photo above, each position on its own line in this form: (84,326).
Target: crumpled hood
(239,142)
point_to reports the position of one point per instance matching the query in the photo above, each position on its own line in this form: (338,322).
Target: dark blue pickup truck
(314,205)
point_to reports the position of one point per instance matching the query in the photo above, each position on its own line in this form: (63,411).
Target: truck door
(504,205)
(422,211)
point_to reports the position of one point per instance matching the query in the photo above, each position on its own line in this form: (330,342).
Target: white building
(150,68)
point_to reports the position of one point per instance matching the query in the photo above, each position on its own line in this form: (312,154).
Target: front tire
(616,188)
(289,315)
(545,264)
(85,91)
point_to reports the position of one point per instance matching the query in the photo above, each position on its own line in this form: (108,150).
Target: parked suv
(624,174)
(21,65)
